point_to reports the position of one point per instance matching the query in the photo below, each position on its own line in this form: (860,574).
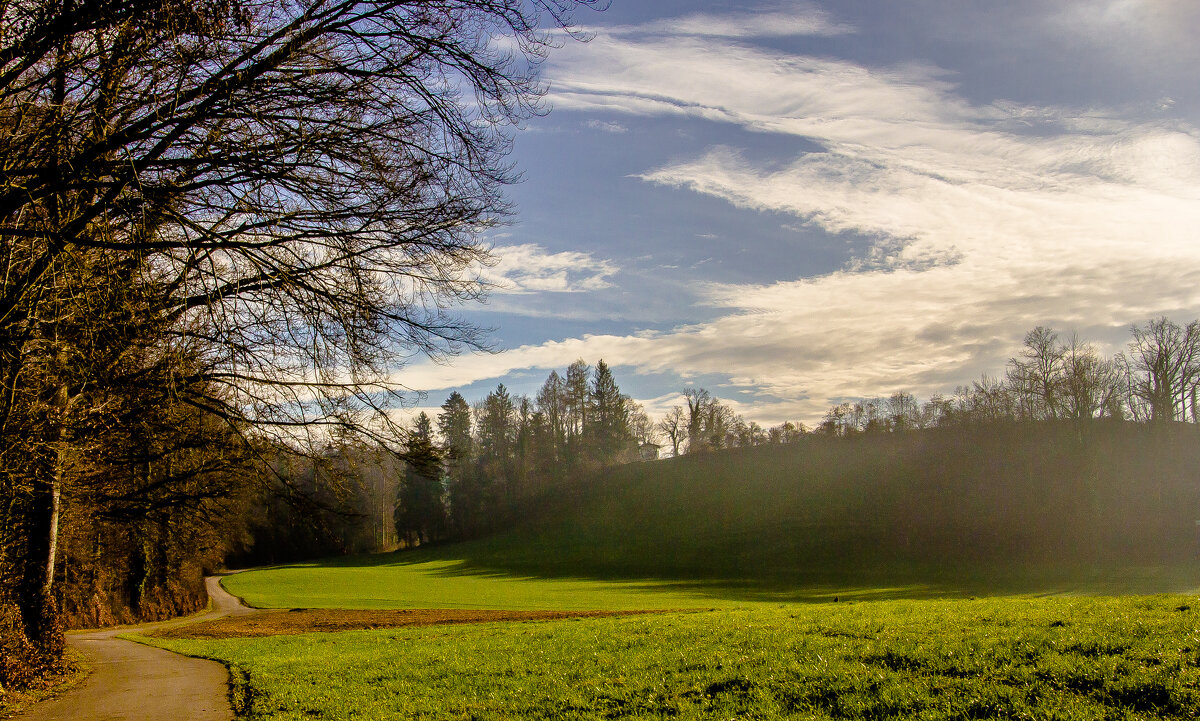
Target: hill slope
(928,505)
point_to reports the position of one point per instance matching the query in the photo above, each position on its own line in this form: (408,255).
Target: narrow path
(132,682)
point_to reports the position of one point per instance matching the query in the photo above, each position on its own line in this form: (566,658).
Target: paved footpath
(132,682)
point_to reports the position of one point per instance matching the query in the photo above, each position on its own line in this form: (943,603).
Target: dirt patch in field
(310,620)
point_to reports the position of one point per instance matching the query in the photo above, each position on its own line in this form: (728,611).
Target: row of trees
(471,469)
(707,424)
(1052,377)
(484,460)
(223,226)
(1155,380)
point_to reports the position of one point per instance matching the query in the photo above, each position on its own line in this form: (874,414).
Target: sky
(793,204)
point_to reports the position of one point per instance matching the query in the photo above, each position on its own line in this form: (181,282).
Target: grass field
(427,581)
(482,574)
(1064,658)
(748,553)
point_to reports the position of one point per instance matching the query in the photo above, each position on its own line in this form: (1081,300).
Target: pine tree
(552,404)
(420,511)
(608,433)
(462,482)
(495,428)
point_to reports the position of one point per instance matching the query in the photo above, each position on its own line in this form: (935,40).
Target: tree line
(471,469)
(475,467)
(708,424)
(485,460)
(1156,379)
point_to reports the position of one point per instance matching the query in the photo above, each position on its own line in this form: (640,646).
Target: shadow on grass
(484,559)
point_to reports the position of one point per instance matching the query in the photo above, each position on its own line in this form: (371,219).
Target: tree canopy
(257,209)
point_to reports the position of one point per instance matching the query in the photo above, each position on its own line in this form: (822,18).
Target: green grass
(1066,658)
(759,537)
(460,576)
(414,581)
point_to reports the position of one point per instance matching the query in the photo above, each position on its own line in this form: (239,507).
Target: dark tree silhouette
(420,509)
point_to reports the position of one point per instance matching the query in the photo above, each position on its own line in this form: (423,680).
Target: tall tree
(575,393)
(698,401)
(495,431)
(1035,376)
(552,403)
(1090,385)
(420,515)
(643,429)
(462,481)
(297,186)
(1165,363)
(608,431)
(674,426)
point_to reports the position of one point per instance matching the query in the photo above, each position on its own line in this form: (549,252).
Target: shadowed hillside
(984,501)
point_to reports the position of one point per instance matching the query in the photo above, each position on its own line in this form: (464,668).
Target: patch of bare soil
(309,620)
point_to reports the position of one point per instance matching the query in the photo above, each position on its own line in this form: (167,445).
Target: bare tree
(296,188)
(1164,363)
(698,401)
(1090,386)
(902,411)
(644,430)
(674,427)
(786,432)
(1034,377)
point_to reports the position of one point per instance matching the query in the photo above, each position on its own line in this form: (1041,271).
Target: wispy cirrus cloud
(783,20)
(607,126)
(983,219)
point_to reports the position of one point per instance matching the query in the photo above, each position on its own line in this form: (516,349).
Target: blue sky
(796,203)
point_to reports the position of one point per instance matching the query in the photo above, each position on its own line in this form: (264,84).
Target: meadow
(1044,658)
(868,581)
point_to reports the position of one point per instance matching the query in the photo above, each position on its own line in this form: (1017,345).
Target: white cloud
(529,268)
(795,19)
(987,220)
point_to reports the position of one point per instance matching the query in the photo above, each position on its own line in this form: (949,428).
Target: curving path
(132,682)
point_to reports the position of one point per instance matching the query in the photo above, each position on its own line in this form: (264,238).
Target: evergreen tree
(543,452)
(495,429)
(552,404)
(575,402)
(454,425)
(463,484)
(523,449)
(608,433)
(420,511)
(575,395)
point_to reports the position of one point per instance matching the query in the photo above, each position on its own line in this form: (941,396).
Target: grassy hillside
(1001,509)
(994,502)
(941,513)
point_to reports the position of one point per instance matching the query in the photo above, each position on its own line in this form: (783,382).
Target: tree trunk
(46,629)
(52,526)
